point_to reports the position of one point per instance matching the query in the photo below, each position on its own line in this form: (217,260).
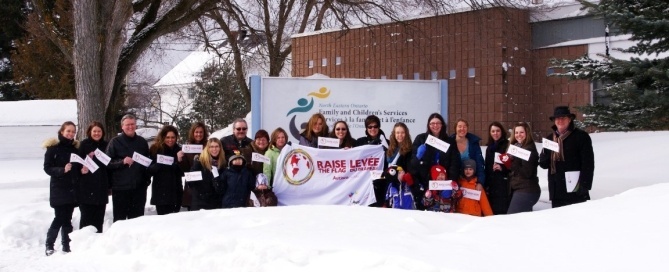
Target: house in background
(496,60)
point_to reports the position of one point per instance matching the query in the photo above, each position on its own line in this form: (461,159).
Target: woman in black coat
(424,156)
(497,174)
(64,175)
(523,180)
(197,135)
(211,161)
(93,189)
(375,136)
(166,191)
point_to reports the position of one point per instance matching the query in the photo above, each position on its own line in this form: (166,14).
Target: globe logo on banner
(298,167)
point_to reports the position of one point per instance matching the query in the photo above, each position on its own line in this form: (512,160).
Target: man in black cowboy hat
(575,154)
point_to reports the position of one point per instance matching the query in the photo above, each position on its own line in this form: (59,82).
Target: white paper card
(257,157)
(166,160)
(497,159)
(548,144)
(327,141)
(471,194)
(440,185)
(193,176)
(376,174)
(77,159)
(192,148)
(102,157)
(571,178)
(214,171)
(519,152)
(141,159)
(437,143)
(90,163)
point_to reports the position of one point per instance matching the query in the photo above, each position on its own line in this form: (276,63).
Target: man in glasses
(238,140)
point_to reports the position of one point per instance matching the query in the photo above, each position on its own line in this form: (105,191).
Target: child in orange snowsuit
(468,203)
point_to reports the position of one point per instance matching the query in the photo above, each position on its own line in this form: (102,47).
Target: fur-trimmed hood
(54,142)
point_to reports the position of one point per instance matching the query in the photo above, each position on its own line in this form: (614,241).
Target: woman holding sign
(259,145)
(399,150)
(425,155)
(93,193)
(497,172)
(197,135)
(340,131)
(211,162)
(277,142)
(166,156)
(64,175)
(315,128)
(470,148)
(524,182)
(375,136)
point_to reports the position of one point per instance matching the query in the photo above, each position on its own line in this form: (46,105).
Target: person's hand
(84,170)
(91,154)
(479,187)
(128,161)
(496,167)
(180,155)
(68,167)
(421,151)
(428,194)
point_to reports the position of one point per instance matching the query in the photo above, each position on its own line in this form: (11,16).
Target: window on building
(400,76)
(434,75)
(324,62)
(311,64)
(191,93)
(416,76)
(471,73)
(550,71)
(338,61)
(451,74)
(383,77)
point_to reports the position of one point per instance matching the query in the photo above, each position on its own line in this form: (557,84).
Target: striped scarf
(558,156)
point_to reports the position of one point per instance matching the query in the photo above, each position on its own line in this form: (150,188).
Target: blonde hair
(205,157)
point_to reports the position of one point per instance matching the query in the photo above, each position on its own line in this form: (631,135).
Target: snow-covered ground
(622,229)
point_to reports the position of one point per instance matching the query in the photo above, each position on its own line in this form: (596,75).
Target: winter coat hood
(56,141)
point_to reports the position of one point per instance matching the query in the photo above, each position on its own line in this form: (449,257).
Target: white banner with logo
(306,175)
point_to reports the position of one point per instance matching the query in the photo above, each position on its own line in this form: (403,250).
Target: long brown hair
(157,146)
(404,146)
(348,140)
(528,133)
(505,134)
(309,133)
(205,158)
(191,132)
(90,129)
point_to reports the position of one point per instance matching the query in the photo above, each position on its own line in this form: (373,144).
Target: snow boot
(65,238)
(51,235)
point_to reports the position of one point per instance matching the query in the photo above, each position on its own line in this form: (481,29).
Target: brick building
(495,60)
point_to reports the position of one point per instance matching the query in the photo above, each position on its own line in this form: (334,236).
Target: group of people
(500,183)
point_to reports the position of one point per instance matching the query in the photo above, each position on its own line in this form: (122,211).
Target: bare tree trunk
(87,62)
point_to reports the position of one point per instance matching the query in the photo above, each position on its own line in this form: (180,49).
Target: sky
(622,229)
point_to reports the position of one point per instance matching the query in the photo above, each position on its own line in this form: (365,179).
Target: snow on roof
(37,112)
(597,47)
(186,71)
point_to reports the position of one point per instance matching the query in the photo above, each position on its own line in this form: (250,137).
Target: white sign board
(290,102)
(550,145)
(440,185)
(192,148)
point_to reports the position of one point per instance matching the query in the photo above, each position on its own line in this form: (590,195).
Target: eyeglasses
(338,129)
(241,129)
(435,123)
(373,126)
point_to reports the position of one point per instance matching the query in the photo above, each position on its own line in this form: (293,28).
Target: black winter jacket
(497,182)
(166,188)
(578,156)
(62,187)
(230,144)
(203,193)
(126,177)
(93,187)
(235,186)
(524,173)
(420,168)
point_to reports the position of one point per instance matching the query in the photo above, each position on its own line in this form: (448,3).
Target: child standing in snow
(442,200)
(473,202)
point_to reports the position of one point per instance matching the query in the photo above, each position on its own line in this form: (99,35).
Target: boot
(51,235)
(65,238)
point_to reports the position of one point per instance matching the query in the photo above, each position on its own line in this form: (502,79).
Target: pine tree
(12,15)
(639,87)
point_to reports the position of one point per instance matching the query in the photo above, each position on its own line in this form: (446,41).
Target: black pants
(63,219)
(92,215)
(380,187)
(556,203)
(167,209)
(129,204)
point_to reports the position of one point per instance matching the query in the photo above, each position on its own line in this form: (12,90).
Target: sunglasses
(241,129)
(339,129)
(371,127)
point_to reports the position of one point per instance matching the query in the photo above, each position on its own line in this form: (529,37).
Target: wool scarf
(558,156)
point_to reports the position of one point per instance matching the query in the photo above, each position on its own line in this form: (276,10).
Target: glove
(407,179)
(421,151)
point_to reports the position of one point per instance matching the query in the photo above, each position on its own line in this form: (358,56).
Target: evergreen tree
(12,15)
(218,100)
(639,87)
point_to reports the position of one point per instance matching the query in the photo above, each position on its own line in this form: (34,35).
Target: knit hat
(237,155)
(469,163)
(436,170)
(261,179)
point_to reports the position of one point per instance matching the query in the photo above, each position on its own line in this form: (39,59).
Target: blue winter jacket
(476,155)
